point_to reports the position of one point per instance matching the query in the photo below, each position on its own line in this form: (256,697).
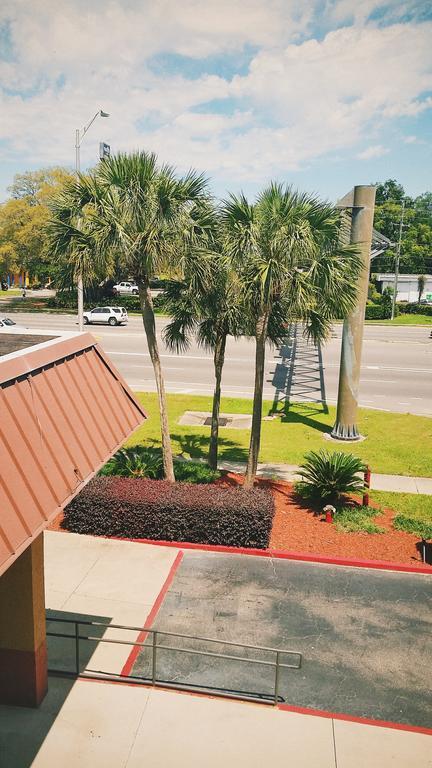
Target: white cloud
(410,140)
(302,98)
(372,152)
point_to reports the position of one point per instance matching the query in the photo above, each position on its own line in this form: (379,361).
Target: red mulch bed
(297,529)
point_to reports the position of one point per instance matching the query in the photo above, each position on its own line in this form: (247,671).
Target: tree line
(416,242)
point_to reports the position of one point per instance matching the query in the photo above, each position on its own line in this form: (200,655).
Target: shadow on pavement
(299,374)
(23,730)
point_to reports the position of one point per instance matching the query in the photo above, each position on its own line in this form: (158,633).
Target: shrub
(140,461)
(194,472)
(135,462)
(157,509)
(132,303)
(416,309)
(68,300)
(375,312)
(326,476)
(356,519)
(420,528)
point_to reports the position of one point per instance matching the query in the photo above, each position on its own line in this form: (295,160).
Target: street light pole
(78,140)
(345,427)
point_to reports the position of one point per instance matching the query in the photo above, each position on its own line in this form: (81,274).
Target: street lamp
(79,136)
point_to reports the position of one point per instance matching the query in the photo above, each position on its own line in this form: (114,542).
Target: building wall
(407,289)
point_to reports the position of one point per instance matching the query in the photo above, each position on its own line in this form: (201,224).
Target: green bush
(356,519)
(416,309)
(135,462)
(194,472)
(375,312)
(68,300)
(326,476)
(132,303)
(139,461)
(420,528)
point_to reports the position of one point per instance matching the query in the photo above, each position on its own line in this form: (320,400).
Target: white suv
(126,288)
(109,315)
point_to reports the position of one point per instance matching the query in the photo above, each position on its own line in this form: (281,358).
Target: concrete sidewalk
(289,472)
(97,725)
(106,725)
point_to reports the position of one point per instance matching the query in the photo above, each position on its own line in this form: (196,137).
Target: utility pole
(398,248)
(345,427)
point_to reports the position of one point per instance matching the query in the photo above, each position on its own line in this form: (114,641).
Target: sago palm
(329,475)
(288,251)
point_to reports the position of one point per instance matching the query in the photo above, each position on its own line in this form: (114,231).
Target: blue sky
(323,95)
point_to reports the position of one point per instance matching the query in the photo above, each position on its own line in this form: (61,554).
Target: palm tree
(141,212)
(211,310)
(71,235)
(288,251)
(421,282)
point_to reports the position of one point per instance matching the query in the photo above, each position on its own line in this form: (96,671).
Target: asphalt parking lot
(365,635)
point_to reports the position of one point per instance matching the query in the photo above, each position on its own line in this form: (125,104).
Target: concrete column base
(347,432)
(23,650)
(23,677)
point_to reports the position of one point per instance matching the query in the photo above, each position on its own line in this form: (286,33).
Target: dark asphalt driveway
(365,635)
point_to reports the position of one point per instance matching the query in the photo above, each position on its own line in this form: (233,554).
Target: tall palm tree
(211,310)
(71,235)
(142,212)
(288,251)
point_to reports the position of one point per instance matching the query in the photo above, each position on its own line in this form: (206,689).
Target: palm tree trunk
(218,360)
(254,445)
(146,302)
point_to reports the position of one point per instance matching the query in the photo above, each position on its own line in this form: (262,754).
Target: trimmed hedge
(68,300)
(377,312)
(157,509)
(415,309)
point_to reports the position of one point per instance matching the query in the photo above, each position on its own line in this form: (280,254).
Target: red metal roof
(64,410)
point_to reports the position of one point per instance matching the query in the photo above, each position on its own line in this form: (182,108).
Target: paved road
(397,364)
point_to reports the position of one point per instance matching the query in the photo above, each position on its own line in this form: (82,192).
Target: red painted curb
(131,659)
(354,719)
(282,555)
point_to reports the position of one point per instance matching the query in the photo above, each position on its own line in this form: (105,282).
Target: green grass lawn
(417,506)
(396,443)
(10,292)
(413,511)
(404,320)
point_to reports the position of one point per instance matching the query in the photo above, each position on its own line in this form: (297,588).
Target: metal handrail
(155,646)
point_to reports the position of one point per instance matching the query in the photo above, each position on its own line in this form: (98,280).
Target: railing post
(276,691)
(154,658)
(77,656)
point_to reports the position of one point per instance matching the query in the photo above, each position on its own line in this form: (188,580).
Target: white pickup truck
(126,288)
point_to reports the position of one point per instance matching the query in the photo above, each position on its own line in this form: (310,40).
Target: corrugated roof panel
(64,410)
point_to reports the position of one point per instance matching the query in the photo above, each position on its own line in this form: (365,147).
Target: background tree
(416,245)
(288,253)
(23,221)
